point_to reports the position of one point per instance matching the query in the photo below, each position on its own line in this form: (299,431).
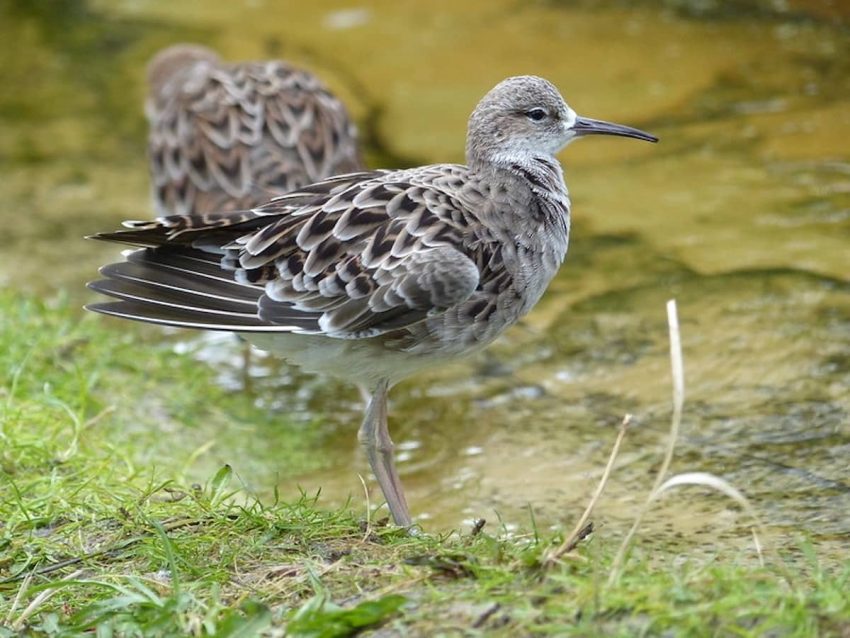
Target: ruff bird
(373,276)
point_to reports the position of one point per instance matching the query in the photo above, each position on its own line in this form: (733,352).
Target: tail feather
(183,287)
(182,318)
(196,263)
(164,276)
(183,229)
(174,299)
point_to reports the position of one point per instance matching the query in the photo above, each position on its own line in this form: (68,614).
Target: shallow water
(742,213)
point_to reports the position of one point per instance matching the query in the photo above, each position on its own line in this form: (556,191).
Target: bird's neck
(541,173)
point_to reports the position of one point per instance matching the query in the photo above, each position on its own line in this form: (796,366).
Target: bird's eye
(535,114)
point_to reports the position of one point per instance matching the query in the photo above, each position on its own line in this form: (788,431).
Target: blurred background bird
(227,137)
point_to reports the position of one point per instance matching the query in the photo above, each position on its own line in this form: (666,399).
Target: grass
(102,533)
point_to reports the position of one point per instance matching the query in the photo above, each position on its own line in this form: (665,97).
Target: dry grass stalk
(678,372)
(572,540)
(703,479)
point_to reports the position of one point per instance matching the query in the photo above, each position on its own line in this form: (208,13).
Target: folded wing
(351,257)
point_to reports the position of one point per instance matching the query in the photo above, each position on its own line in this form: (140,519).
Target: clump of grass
(93,541)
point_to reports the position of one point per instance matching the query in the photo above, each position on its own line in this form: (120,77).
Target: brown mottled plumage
(231,136)
(375,275)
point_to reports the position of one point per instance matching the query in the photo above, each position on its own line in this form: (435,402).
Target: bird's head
(524,117)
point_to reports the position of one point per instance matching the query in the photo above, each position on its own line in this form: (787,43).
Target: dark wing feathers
(179,317)
(173,298)
(149,268)
(369,254)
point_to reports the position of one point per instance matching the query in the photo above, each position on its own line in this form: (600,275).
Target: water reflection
(741,213)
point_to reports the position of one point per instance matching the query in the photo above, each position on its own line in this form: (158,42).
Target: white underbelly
(358,361)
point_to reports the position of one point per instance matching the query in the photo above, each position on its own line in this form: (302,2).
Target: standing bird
(229,137)
(373,276)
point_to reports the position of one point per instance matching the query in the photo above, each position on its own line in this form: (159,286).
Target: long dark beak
(587,126)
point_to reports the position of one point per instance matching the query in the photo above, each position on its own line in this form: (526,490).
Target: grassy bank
(101,530)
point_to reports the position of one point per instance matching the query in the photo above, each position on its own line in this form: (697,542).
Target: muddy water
(742,213)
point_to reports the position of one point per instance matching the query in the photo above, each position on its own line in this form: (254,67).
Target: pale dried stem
(36,602)
(368,529)
(570,541)
(19,597)
(678,372)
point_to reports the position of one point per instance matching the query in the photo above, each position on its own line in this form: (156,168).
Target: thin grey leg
(375,439)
